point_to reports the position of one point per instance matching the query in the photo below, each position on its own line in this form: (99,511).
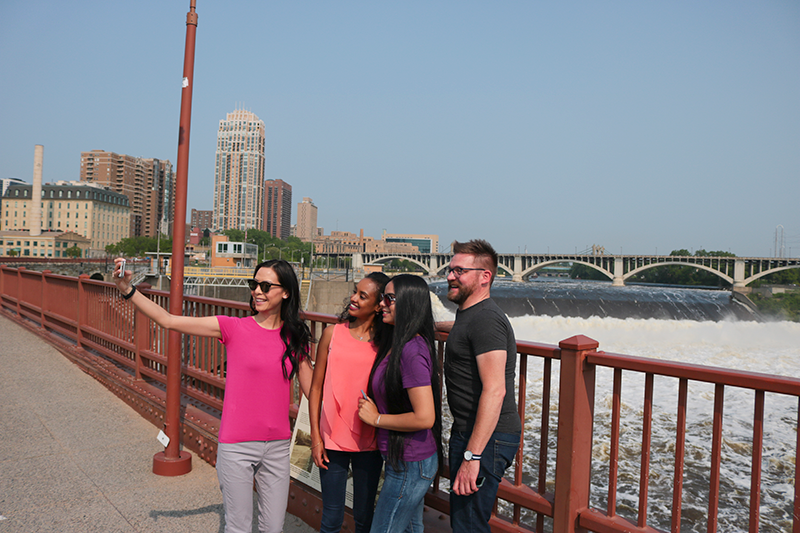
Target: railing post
(45,291)
(575,423)
(82,309)
(141,334)
(19,291)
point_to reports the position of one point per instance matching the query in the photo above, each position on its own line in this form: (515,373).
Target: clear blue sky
(639,126)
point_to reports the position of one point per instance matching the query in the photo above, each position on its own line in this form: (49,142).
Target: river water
(687,325)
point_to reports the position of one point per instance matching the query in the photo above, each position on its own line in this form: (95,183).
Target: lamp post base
(172,467)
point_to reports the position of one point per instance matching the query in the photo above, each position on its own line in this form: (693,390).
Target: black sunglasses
(388,299)
(265,285)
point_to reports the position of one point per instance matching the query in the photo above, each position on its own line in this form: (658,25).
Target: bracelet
(317,444)
(130,294)
(378,421)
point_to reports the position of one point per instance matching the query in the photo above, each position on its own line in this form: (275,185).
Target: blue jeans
(471,513)
(366,474)
(403,495)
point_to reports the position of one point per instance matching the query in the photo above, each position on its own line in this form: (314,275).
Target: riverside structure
(91,324)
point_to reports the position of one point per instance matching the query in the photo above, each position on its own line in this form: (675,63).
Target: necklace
(360,337)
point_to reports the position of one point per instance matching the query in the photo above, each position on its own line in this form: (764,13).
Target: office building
(201,219)
(149,185)
(76,213)
(426,244)
(5,183)
(277,208)
(306,229)
(239,172)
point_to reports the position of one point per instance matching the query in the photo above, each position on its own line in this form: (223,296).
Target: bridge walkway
(76,458)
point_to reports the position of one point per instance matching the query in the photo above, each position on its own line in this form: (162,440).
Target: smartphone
(122,269)
(364,395)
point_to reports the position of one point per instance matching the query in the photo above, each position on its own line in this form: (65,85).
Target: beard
(461,295)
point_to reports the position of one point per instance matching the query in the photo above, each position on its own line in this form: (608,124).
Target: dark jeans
(471,513)
(366,473)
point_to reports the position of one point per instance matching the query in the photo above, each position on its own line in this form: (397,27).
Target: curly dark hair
(381,333)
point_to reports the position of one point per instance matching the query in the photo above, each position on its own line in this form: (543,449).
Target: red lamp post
(172,461)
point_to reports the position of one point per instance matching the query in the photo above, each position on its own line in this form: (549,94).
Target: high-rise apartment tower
(149,185)
(278,208)
(239,173)
(306,228)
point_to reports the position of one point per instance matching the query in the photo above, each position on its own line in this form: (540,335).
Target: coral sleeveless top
(346,375)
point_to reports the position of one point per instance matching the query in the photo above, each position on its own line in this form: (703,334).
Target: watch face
(468,455)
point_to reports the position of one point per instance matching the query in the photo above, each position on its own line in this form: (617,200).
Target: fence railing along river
(567,436)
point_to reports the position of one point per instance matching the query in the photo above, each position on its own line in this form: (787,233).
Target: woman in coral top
(339,438)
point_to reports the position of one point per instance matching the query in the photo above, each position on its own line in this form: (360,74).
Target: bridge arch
(754,277)
(677,263)
(539,266)
(386,258)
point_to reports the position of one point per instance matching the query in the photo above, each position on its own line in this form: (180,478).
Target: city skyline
(638,128)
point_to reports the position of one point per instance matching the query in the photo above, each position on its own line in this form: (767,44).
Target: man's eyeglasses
(265,285)
(388,299)
(459,271)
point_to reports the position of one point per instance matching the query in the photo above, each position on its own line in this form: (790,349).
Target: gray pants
(237,465)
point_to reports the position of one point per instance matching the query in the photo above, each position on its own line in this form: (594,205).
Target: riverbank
(778,306)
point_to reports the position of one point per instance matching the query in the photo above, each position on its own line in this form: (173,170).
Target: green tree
(73,252)
(785,306)
(138,246)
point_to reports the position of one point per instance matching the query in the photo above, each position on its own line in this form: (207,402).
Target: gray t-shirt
(478,329)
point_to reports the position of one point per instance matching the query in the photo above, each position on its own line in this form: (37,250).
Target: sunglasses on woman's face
(265,285)
(388,299)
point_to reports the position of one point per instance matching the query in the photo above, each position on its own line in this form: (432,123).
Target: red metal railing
(550,487)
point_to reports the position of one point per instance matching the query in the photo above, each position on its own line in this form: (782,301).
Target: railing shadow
(208,509)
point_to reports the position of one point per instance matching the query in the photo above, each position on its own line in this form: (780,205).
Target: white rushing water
(772,348)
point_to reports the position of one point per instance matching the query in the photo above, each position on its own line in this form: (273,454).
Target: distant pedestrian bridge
(738,271)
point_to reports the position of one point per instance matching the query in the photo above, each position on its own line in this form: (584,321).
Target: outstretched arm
(207,326)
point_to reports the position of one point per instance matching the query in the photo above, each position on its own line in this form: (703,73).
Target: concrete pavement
(75,458)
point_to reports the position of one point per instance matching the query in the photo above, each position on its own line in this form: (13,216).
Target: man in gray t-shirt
(480,365)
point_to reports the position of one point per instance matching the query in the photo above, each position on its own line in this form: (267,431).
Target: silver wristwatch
(469,456)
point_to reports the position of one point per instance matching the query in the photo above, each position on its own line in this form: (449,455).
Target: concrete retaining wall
(329,297)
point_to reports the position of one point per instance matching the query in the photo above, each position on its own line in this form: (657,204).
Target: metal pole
(173,461)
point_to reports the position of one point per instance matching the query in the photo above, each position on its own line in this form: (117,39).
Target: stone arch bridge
(738,271)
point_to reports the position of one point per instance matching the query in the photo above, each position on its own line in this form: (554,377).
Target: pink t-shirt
(256,404)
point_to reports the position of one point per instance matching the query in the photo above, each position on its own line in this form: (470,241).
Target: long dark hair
(381,333)
(413,316)
(295,334)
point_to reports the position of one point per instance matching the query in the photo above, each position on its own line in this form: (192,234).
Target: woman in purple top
(404,405)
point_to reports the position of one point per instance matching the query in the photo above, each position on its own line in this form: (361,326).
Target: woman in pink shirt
(263,353)
(339,438)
